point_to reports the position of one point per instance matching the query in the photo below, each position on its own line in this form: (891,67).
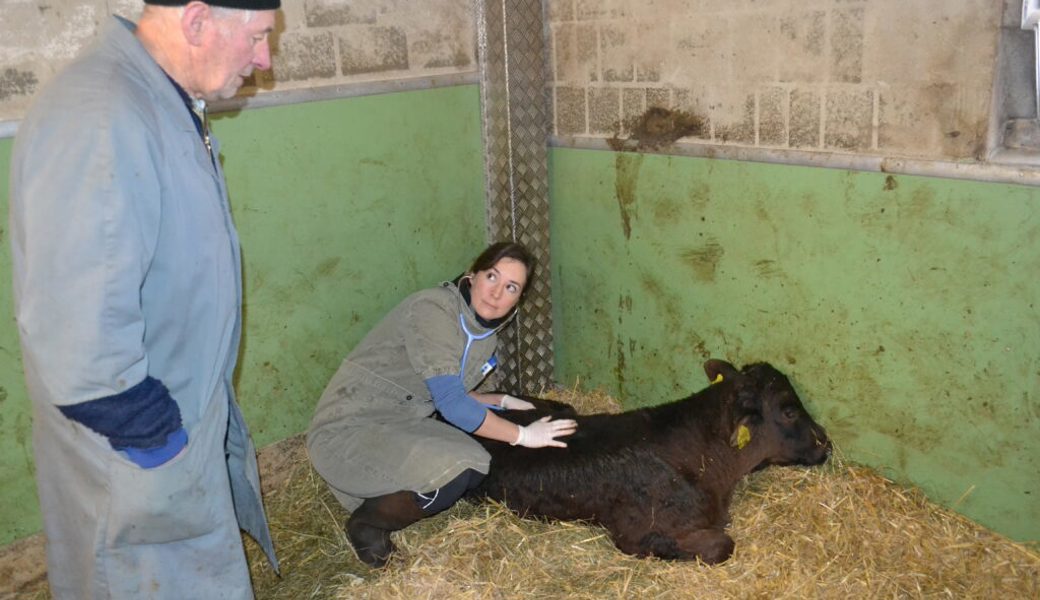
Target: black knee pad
(443,497)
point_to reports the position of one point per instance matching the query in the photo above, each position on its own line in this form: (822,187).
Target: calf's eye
(790,413)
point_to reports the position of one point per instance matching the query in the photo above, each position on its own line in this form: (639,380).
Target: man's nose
(262,56)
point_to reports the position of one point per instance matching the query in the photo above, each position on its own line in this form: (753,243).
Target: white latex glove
(511,403)
(544,432)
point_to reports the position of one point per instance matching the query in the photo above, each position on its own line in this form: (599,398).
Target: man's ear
(193,21)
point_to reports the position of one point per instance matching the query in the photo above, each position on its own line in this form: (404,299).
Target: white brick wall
(318,43)
(884,77)
(876,77)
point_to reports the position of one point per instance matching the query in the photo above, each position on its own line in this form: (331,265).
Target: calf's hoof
(711,546)
(371,544)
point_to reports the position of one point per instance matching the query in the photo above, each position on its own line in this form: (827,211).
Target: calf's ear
(714,368)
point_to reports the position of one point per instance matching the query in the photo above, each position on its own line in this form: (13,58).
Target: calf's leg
(712,546)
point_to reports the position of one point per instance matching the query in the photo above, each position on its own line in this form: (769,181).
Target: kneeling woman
(373,437)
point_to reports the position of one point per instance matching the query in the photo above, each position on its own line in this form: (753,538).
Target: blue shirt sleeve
(142,416)
(455,405)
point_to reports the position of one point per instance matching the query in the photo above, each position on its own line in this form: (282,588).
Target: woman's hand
(544,432)
(512,403)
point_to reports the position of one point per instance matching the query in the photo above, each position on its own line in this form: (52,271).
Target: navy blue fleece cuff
(455,405)
(140,417)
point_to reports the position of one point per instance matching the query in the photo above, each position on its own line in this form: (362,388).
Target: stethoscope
(470,338)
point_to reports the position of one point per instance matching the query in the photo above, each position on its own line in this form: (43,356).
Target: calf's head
(767,417)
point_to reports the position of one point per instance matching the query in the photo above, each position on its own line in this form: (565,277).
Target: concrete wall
(893,77)
(318,42)
(343,208)
(904,309)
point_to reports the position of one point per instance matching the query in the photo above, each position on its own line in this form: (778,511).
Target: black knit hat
(239,4)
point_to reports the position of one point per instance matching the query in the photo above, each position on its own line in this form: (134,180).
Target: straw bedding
(837,531)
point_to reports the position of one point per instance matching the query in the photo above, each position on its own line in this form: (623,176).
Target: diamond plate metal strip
(513,68)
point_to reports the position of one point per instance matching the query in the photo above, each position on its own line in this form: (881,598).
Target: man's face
(236,47)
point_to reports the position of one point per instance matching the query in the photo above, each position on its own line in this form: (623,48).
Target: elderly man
(128,301)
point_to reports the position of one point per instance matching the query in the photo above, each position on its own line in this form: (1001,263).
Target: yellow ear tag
(718,378)
(743,436)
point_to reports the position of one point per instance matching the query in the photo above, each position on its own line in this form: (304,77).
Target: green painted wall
(19,514)
(903,308)
(343,208)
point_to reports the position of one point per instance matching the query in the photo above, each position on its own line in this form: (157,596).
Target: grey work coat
(126,265)
(372,432)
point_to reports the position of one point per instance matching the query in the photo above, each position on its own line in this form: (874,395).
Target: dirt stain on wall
(666,303)
(658,128)
(624,305)
(768,269)
(328,266)
(666,211)
(703,260)
(698,347)
(921,205)
(17,83)
(619,368)
(627,179)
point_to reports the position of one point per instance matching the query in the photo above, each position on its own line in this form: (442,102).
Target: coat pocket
(185,498)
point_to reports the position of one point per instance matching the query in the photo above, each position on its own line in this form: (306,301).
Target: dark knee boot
(369,526)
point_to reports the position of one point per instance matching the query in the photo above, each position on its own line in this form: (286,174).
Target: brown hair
(499,250)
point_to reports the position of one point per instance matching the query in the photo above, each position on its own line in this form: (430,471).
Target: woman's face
(495,291)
